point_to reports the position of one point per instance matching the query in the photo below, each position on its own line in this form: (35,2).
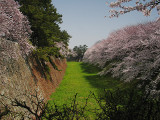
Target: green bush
(118,105)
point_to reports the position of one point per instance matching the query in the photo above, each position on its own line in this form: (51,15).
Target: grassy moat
(82,79)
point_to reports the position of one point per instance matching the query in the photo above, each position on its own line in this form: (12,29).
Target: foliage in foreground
(117,105)
(130,53)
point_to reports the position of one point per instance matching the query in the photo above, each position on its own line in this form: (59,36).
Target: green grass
(82,78)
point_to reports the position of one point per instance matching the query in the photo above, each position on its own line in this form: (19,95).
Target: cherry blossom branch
(141,6)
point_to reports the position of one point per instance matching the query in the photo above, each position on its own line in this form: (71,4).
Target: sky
(85,20)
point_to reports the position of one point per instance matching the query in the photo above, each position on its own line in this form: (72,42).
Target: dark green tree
(44,21)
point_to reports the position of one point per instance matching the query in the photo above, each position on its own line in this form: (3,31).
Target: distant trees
(14,25)
(80,50)
(124,6)
(77,53)
(130,53)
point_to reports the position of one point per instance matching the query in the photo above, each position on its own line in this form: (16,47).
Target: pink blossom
(130,53)
(63,48)
(14,25)
(144,6)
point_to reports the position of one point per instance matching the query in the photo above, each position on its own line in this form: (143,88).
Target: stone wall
(20,75)
(47,85)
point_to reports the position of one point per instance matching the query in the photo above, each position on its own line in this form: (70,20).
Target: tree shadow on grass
(100,82)
(103,83)
(88,68)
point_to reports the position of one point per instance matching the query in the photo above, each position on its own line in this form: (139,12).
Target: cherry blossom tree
(63,48)
(130,53)
(14,25)
(124,6)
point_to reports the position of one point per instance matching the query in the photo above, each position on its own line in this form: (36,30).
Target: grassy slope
(82,78)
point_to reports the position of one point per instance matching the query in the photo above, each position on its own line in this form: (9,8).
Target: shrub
(118,105)
(128,105)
